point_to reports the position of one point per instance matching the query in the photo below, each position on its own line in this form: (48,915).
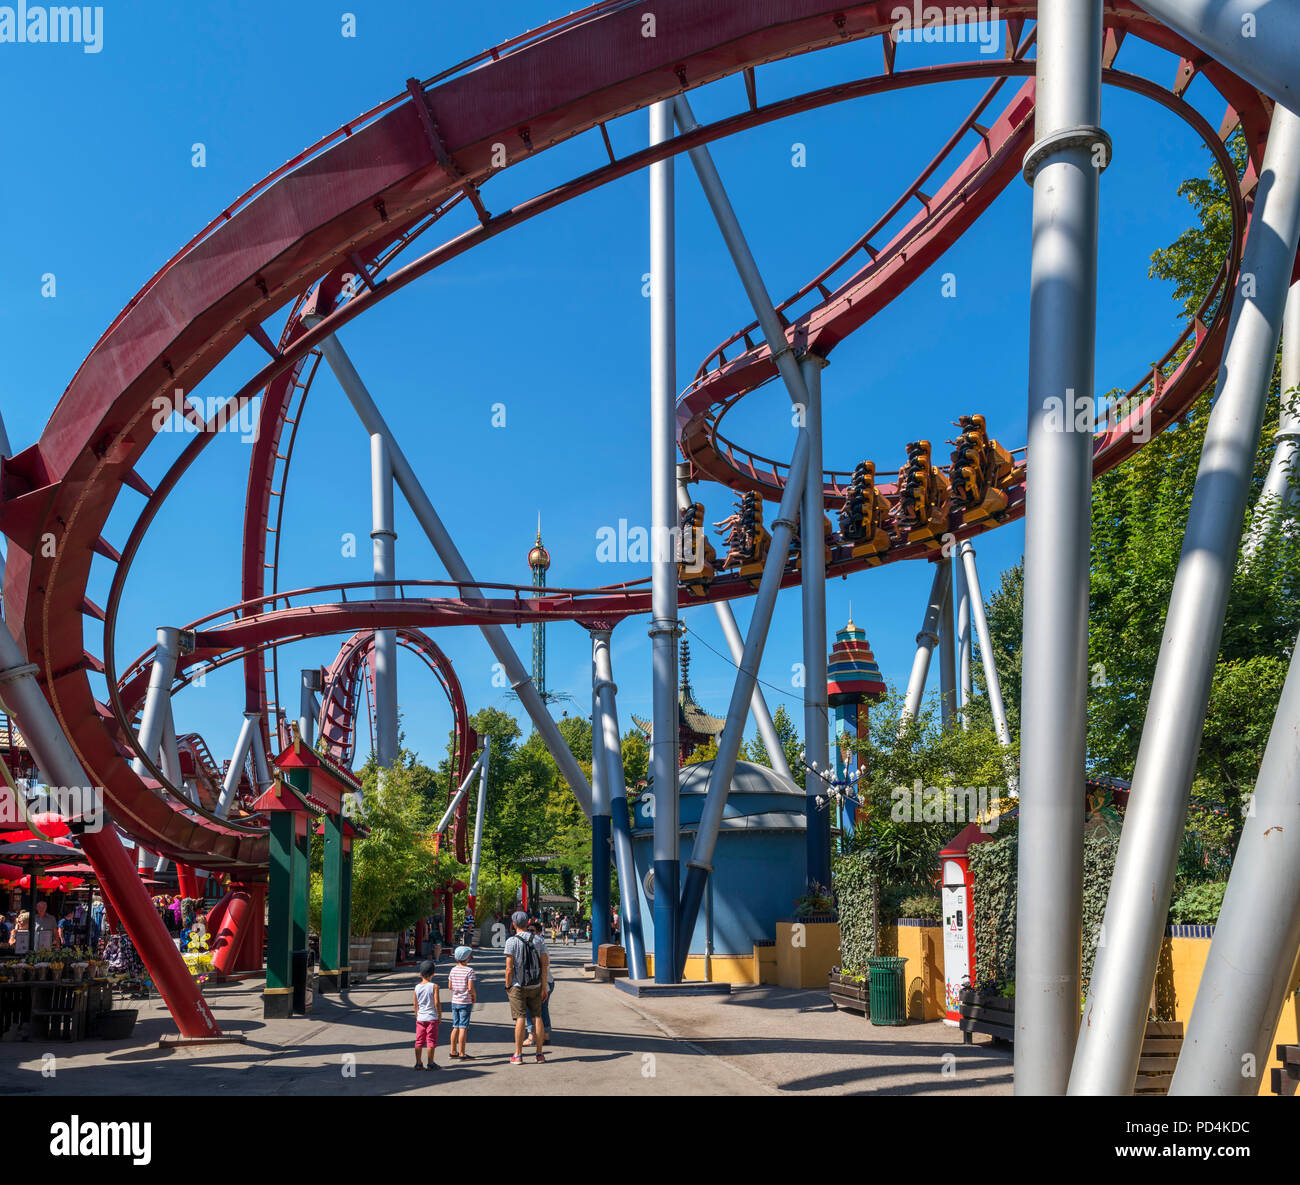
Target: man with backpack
(527,965)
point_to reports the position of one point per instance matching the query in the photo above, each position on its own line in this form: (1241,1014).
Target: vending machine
(957,891)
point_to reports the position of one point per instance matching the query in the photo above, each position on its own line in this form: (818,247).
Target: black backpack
(530,962)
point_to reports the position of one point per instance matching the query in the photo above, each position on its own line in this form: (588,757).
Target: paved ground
(757,1041)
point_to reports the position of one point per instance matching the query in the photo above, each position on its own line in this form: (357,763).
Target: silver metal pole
(601,823)
(1064,166)
(383,545)
(997,708)
(1279,493)
(456,567)
(1258,39)
(261,767)
(464,789)
(1109,1046)
(724,764)
(948,658)
(925,643)
(480,812)
(961,594)
(157,700)
(817,822)
(736,645)
(612,752)
(236,767)
(1253,950)
(664,740)
(308,707)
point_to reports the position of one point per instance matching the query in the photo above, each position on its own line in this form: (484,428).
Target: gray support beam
(231,782)
(383,536)
(948,658)
(816,710)
(736,645)
(1109,1046)
(664,739)
(480,813)
(724,765)
(1254,946)
(612,752)
(457,569)
(465,784)
(975,599)
(926,640)
(961,595)
(1279,493)
(601,835)
(1258,39)
(261,766)
(157,700)
(308,706)
(1064,165)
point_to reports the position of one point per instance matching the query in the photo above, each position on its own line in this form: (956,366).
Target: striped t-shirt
(458,980)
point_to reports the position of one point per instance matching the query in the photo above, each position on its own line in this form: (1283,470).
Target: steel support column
(926,640)
(1254,946)
(1109,1045)
(724,765)
(383,538)
(1279,494)
(231,782)
(480,812)
(600,823)
(1064,166)
(961,595)
(664,739)
(997,709)
(629,901)
(1258,39)
(308,707)
(816,710)
(457,569)
(157,700)
(947,657)
(461,792)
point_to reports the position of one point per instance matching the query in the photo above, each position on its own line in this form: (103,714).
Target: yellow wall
(806,952)
(723,968)
(1182,962)
(922,947)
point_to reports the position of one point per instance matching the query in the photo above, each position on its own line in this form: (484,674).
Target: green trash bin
(888,994)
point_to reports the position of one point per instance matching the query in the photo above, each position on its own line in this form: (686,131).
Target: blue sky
(548,319)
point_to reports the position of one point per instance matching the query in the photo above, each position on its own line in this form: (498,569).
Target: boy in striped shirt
(464,995)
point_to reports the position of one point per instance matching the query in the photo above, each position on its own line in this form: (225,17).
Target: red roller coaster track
(351,204)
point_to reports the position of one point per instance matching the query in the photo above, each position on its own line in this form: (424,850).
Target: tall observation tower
(539,560)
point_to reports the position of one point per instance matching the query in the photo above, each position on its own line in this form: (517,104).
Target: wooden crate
(849,995)
(991,1015)
(1160,1047)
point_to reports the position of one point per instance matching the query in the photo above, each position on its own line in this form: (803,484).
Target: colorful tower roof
(852,675)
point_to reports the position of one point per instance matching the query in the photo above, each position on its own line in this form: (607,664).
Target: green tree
(756,752)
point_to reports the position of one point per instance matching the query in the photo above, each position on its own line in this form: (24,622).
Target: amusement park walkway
(757,1041)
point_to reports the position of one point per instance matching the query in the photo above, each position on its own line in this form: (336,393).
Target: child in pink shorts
(428,1012)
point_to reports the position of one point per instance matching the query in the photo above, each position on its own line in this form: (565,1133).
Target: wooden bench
(1285,1079)
(59,1010)
(1161,1045)
(994,1016)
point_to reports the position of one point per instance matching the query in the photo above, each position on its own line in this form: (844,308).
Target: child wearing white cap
(464,995)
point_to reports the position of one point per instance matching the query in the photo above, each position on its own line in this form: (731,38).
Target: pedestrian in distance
(428,1012)
(564,929)
(464,995)
(527,966)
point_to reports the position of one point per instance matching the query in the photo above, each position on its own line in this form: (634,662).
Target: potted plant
(849,991)
(816,905)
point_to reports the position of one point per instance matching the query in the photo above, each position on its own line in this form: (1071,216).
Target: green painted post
(345,918)
(277,997)
(334,948)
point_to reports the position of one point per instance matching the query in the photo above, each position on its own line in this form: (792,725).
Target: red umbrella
(23,834)
(10,872)
(72,870)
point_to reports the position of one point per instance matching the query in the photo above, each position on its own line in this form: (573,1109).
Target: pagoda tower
(695,727)
(853,683)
